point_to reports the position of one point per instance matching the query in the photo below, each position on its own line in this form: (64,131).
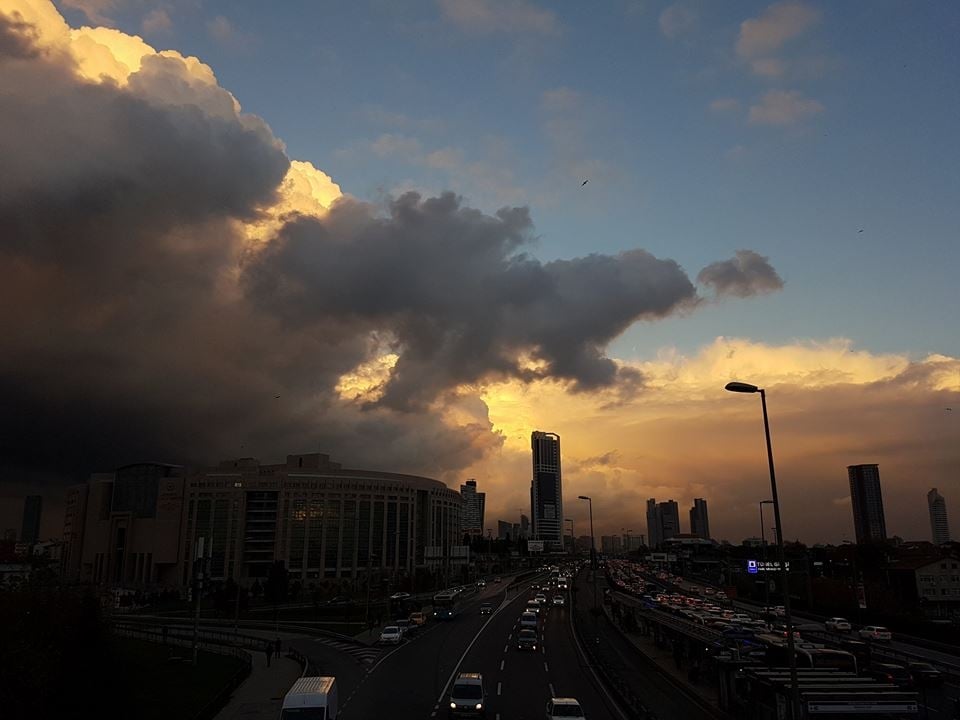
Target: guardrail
(185,639)
(618,685)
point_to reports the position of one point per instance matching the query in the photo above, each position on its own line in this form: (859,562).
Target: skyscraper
(30,529)
(546,496)
(699,523)
(939,528)
(474,504)
(504,530)
(524,526)
(654,536)
(867,501)
(663,521)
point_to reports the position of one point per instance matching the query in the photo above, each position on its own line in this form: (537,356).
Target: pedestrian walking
(268,651)
(277,646)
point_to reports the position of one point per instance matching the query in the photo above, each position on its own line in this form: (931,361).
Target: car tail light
(889,678)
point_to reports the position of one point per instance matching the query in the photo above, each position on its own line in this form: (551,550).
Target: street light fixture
(742,387)
(593,551)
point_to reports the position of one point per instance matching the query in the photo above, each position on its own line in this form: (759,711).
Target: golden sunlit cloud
(683,437)
(365,382)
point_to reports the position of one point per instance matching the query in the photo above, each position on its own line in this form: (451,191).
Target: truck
(311,698)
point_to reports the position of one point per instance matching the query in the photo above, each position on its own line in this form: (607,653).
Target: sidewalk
(261,694)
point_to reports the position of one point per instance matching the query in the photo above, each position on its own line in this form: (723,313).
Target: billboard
(535,546)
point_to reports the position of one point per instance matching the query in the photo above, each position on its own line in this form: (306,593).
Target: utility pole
(197,589)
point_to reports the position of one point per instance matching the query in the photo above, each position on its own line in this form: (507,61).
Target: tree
(276,589)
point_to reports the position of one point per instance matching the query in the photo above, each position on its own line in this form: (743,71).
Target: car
(541,599)
(481,583)
(925,674)
(467,696)
(527,639)
(406,627)
(562,708)
(837,624)
(528,619)
(558,601)
(779,611)
(418,618)
(486,608)
(875,632)
(891,673)
(497,580)
(533,606)
(391,635)
(445,613)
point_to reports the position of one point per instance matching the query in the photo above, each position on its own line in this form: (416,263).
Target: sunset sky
(252,229)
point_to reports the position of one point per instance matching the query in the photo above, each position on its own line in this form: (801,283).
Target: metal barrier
(185,639)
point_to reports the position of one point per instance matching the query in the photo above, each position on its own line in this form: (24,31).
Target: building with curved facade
(320,519)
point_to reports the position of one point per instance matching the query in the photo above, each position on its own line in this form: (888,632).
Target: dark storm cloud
(461,300)
(17,38)
(747,274)
(126,335)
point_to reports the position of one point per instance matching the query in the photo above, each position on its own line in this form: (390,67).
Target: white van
(528,619)
(311,698)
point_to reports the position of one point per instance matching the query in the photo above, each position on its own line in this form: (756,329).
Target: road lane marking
(501,664)
(505,647)
(463,657)
(545,668)
(553,693)
(510,636)
(499,686)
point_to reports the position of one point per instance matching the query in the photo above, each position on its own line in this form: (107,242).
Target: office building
(663,521)
(546,490)
(868,521)
(939,528)
(610,544)
(474,505)
(32,509)
(699,522)
(504,530)
(142,525)
(524,526)
(632,543)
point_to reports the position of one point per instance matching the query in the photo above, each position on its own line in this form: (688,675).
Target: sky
(409,234)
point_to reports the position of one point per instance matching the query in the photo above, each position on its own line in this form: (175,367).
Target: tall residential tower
(868,520)
(699,523)
(939,528)
(546,490)
(474,504)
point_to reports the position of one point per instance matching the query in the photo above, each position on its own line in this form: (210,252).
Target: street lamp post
(741,387)
(593,551)
(763,544)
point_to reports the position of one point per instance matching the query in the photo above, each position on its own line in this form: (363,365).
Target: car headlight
(479,706)
(453,706)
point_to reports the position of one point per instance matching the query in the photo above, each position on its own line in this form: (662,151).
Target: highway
(412,680)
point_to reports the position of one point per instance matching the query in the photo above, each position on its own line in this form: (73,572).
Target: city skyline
(441,277)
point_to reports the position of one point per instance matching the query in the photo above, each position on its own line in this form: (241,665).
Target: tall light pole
(741,387)
(593,551)
(763,544)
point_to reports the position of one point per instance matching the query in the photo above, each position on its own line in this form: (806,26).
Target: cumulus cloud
(503,16)
(762,38)
(175,286)
(725,105)
(783,107)
(676,20)
(746,274)
(778,24)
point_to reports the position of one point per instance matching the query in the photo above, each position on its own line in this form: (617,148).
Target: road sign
(752,567)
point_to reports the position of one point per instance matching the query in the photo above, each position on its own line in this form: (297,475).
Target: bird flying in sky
(584,183)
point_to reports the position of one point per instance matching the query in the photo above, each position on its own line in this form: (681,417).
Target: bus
(809,655)
(446,604)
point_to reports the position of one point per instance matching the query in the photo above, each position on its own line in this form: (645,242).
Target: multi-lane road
(412,681)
